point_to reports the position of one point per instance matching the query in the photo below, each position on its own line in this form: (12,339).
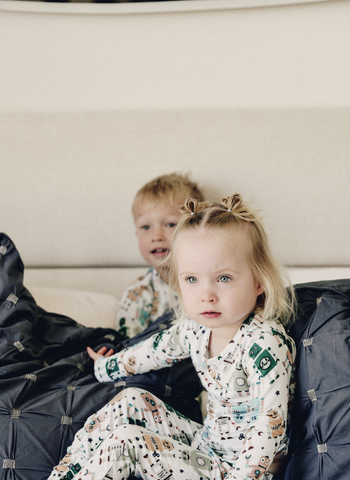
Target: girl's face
(217,285)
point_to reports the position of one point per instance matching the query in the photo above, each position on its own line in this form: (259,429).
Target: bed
(48,388)
(250,98)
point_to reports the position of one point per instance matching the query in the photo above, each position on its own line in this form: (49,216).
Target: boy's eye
(224,279)
(172,225)
(191,279)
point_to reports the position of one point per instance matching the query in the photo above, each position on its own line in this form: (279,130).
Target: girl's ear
(260,289)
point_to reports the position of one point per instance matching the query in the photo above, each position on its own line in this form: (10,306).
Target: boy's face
(155,226)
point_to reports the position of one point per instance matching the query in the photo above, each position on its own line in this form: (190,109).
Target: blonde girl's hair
(173,188)
(277,301)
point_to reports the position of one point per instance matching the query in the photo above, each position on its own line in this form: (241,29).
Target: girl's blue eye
(172,225)
(224,278)
(145,227)
(191,279)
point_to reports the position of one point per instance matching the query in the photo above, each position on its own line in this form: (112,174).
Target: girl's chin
(211,323)
(211,315)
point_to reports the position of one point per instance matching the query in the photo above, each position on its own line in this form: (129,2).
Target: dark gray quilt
(320,427)
(47,385)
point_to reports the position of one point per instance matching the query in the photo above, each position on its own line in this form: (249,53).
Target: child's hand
(100,353)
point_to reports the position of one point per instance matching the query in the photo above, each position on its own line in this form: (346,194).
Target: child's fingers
(109,353)
(94,355)
(102,352)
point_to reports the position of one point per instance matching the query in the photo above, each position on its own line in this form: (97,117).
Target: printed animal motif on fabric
(198,462)
(152,406)
(264,360)
(136,293)
(130,367)
(95,422)
(276,423)
(260,469)
(239,380)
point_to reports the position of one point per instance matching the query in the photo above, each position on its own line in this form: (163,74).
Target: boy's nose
(158,235)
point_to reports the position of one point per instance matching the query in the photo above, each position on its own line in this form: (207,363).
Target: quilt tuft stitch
(8,463)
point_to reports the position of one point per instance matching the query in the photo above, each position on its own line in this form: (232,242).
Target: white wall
(97,99)
(273,57)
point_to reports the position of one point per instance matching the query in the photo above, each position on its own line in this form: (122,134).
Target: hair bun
(232,202)
(192,206)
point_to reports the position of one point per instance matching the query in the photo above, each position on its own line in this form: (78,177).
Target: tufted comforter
(320,426)
(47,384)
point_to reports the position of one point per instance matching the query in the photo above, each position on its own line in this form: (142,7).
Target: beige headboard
(98,99)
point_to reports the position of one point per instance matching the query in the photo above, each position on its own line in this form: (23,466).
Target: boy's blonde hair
(246,224)
(172,188)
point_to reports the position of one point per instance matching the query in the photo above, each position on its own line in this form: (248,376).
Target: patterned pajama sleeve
(158,351)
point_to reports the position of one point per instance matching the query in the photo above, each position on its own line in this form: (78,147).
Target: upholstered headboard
(98,99)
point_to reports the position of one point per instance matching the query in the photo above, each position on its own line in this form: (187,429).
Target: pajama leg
(133,450)
(132,406)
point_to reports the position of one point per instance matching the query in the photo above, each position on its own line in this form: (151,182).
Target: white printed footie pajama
(134,434)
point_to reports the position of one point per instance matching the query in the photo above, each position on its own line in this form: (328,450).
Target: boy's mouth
(159,252)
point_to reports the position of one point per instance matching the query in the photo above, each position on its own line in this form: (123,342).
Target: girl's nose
(209,295)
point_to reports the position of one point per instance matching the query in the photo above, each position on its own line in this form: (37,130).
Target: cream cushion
(88,308)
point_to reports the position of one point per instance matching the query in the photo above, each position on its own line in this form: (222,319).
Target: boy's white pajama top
(249,388)
(145,300)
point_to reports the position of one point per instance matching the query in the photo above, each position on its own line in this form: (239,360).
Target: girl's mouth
(211,314)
